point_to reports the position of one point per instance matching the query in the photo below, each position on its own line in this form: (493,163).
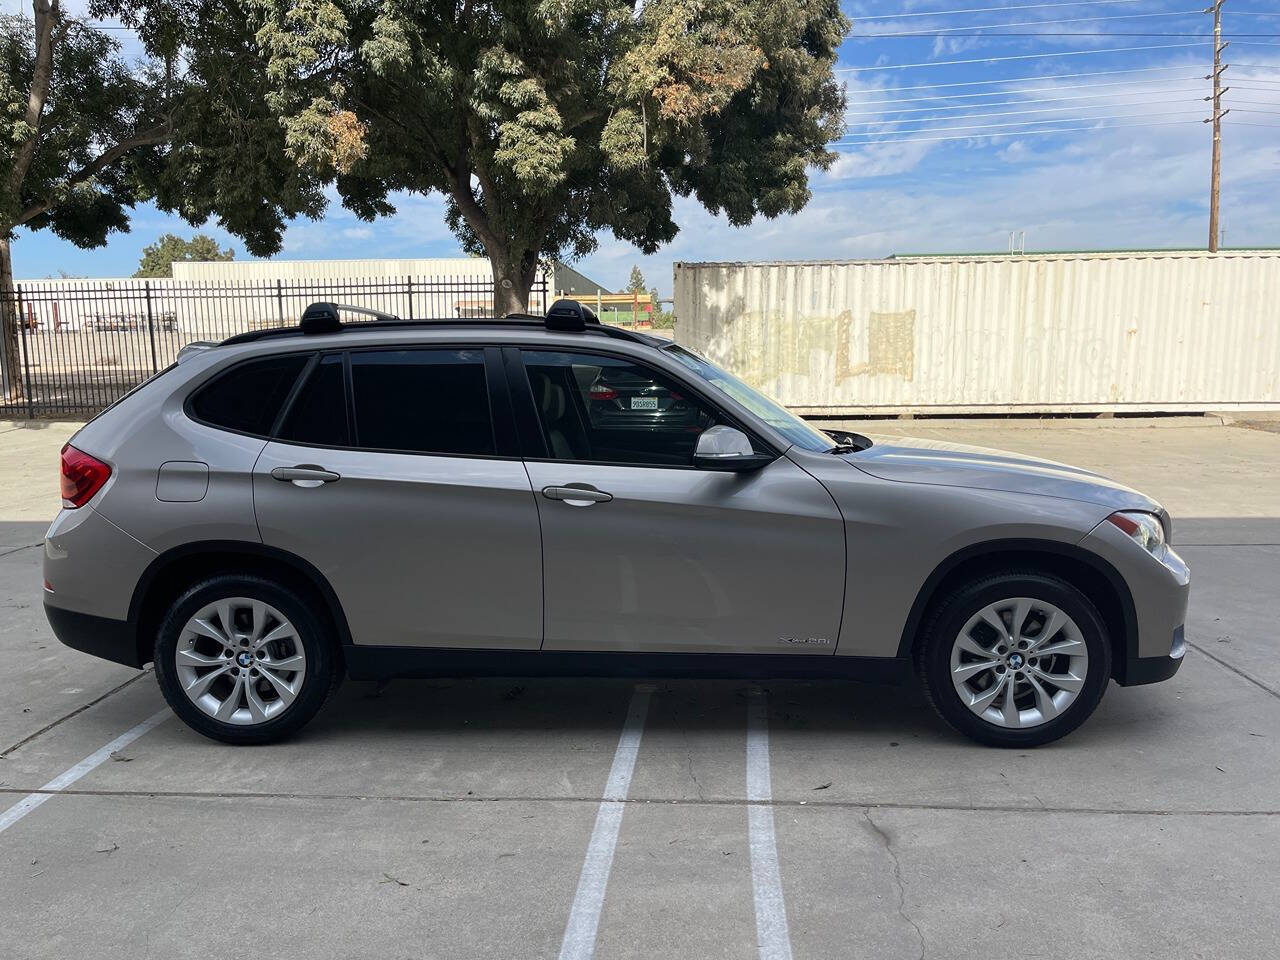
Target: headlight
(1144,529)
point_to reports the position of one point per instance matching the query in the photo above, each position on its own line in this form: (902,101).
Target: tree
(85,135)
(545,121)
(636,283)
(159,257)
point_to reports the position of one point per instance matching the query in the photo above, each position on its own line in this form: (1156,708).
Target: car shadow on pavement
(504,705)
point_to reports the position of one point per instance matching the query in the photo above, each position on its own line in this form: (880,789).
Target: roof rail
(323,317)
(570,316)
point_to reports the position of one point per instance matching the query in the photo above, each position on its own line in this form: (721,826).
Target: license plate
(644,403)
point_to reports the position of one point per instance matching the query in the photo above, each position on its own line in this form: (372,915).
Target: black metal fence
(85,343)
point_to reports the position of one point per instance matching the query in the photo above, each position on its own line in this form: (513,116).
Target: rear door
(394,472)
(643,552)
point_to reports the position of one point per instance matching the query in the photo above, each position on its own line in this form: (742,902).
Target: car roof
(324,319)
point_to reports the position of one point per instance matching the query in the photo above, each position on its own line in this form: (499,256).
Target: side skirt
(380,663)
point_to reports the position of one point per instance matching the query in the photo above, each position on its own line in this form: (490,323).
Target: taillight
(599,391)
(82,477)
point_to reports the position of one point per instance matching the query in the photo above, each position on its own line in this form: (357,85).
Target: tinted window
(319,414)
(426,401)
(609,410)
(248,397)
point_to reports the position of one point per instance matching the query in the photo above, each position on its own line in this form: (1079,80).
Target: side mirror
(724,448)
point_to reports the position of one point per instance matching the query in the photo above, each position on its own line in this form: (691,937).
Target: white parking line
(70,776)
(580,933)
(766,881)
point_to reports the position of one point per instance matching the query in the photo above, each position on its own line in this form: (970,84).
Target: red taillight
(82,477)
(599,391)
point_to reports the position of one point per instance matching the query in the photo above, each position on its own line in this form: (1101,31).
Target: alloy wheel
(1019,662)
(240,661)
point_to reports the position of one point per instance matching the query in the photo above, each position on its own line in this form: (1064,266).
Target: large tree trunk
(11,374)
(513,278)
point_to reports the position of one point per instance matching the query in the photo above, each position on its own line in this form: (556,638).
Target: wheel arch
(172,571)
(1099,580)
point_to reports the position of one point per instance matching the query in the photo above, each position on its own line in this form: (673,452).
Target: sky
(1084,130)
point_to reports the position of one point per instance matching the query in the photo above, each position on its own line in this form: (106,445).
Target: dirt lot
(534,818)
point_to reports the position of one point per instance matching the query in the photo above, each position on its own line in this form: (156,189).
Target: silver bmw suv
(554,496)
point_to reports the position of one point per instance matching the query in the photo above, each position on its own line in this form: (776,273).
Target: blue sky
(952,164)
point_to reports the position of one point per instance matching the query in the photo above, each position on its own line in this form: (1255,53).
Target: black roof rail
(324,317)
(570,316)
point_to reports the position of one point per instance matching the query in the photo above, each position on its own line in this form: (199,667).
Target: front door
(386,477)
(643,552)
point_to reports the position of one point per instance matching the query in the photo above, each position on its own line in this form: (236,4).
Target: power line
(1269,113)
(1025,6)
(1025,56)
(1021,133)
(1011,113)
(1031,6)
(1046,33)
(1032,123)
(1038,23)
(1031,79)
(1009,93)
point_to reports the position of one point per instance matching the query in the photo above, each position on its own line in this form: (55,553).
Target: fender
(198,548)
(993,549)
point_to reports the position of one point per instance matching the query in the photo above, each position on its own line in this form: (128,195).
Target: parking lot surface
(609,818)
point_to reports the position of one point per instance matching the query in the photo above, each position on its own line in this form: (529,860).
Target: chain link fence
(85,343)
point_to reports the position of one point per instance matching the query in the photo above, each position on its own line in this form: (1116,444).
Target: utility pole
(1215,188)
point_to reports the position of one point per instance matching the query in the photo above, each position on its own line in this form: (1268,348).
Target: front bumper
(1142,670)
(1160,588)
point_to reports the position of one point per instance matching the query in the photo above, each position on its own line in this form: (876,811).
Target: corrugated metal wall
(1053,333)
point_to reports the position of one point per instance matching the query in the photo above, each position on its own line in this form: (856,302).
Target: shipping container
(1051,333)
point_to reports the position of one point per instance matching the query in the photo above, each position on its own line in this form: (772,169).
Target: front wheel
(1015,659)
(243,659)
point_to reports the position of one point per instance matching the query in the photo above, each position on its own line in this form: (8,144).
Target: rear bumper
(113,640)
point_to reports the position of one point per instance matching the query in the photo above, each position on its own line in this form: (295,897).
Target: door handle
(305,475)
(577,496)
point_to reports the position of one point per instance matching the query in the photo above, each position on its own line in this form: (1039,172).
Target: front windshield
(772,413)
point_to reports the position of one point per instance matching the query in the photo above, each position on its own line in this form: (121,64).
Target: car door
(390,475)
(643,552)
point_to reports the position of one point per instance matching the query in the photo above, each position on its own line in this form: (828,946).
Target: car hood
(960,465)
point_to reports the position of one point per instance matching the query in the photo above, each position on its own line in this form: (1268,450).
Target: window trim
(493,381)
(188,409)
(307,374)
(533,439)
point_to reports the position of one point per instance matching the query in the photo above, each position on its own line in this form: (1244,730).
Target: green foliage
(158,258)
(188,126)
(92,98)
(546,121)
(636,283)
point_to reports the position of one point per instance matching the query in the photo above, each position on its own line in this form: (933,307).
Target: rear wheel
(243,659)
(1015,659)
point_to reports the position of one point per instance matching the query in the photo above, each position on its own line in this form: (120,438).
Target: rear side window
(423,401)
(319,414)
(248,397)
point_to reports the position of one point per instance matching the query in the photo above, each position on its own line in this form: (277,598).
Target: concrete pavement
(452,818)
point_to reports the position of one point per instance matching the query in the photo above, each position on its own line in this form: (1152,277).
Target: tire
(245,692)
(960,637)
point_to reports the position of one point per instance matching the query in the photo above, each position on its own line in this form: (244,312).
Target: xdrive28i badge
(805,641)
